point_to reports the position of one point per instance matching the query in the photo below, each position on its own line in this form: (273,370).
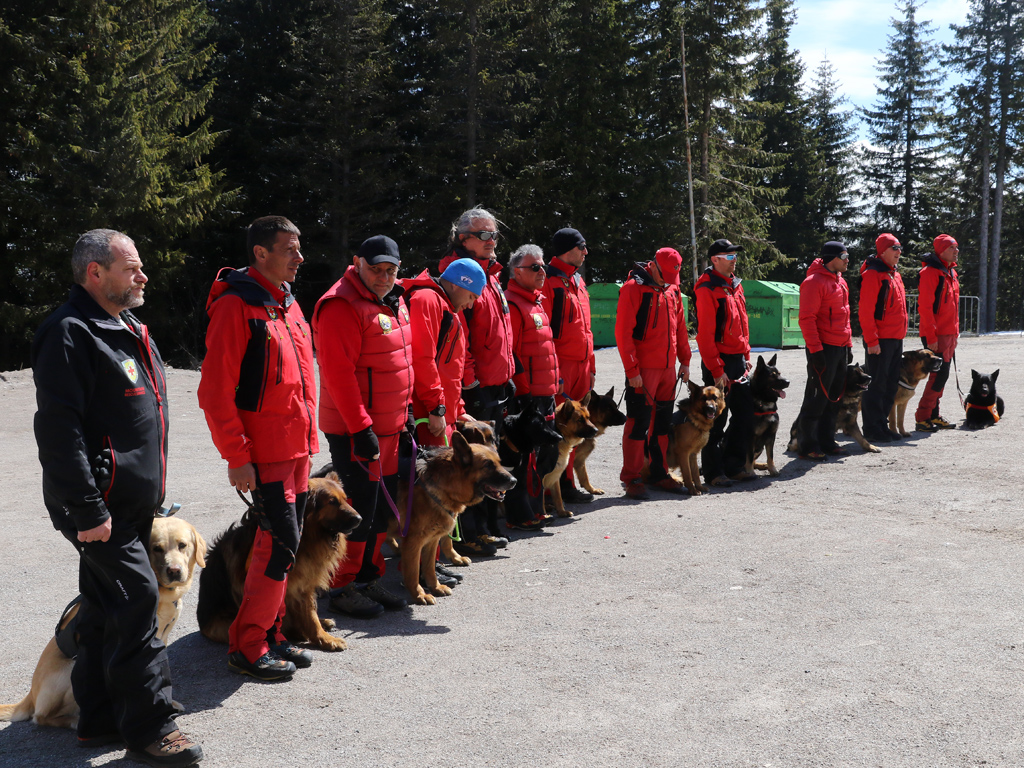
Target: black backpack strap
(442,332)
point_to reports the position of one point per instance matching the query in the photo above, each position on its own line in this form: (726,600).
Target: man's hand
(243,478)
(365,445)
(875,349)
(722,382)
(684,373)
(436,425)
(635,381)
(100,533)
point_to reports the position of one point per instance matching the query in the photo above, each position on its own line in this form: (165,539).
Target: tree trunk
(985,190)
(471,108)
(1005,86)
(705,177)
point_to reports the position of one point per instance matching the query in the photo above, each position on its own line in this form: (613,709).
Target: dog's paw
(424,599)
(460,560)
(872,449)
(441,591)
(327,624)
(904,433)
(761,465)
(773,471)
(565,513)
(596,491)
(330,643)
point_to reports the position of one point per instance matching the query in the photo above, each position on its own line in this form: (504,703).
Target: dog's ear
(995,374)
(975,375)
(463,453)
(334,476)
(586,400)
(774,358)
(694,388)
(760,361)
(611,393)
(200,547)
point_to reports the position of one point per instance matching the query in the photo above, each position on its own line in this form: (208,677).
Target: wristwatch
(439,411)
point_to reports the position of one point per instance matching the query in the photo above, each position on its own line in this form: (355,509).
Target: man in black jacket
(101,429)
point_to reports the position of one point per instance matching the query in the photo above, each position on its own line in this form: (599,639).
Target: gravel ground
(863,612)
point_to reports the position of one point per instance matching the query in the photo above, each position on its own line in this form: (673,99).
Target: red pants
(928,407)
(645,435)
(282,486)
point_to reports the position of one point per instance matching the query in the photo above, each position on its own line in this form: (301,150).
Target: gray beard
(126,300)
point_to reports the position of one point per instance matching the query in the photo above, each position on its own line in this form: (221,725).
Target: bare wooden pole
(689,164)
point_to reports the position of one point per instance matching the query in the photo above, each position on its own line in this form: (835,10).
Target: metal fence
(970,314)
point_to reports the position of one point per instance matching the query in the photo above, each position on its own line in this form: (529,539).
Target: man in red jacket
(723,338)
(567,305)
(364,350)
(650,331)
(259,396)
(439,345)
(489,368)
(536,380)
(883,321)
(825,324)
(938,304)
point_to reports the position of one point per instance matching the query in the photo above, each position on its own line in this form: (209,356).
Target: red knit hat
(884,242)
(941,243)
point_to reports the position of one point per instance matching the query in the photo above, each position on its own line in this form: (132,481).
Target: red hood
(487,265)
(818,268)
(424,280)
(251,286)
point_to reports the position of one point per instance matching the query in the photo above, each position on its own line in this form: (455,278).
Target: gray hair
(94,245)
(516,259)
(464,223)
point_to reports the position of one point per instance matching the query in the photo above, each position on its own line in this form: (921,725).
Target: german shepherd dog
(328,519)
(447,481)
(857,381)
(916,366)
(604,413)
(767,387)
(691,426)
(478,432)
(984,406)
(175,549)
(572,420)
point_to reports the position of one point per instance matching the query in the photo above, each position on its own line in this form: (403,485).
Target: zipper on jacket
(280,353)
(147,357)
(302,381)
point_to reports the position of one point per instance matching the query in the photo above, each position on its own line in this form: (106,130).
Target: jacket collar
(533,295)
(933,260)
(718,280)
(97,315)
(390,300)
(559,268)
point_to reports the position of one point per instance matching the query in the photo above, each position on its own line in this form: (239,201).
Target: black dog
(984,406)
(525,432)
(767,387)
(857,381)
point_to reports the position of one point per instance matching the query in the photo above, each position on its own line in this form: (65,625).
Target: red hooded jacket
(650,326)
(883,302)
(722,327)
(364,349)
(824,308)
(567,305)
(257,387)
(938,299)
(438,348)
(532,343)
(489,358)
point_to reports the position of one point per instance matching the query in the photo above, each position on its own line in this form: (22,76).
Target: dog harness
(990,408)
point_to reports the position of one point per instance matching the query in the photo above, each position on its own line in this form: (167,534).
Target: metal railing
(970,315)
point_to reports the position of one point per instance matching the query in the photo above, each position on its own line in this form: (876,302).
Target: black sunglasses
(532,267)
(484,235)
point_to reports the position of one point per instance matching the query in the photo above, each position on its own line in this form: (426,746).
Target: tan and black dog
(175,549)
(857,381)
(572,420)
(604,413)
(328,519)
(447,481)
(916,366)
(691,426)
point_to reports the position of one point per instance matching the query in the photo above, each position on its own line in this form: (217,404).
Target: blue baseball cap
(466,273)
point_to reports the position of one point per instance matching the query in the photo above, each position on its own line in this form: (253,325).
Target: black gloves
(365,445)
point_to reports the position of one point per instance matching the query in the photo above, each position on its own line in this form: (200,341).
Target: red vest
(366,367)
(532,343)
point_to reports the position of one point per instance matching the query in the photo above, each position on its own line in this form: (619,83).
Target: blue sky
(853,35)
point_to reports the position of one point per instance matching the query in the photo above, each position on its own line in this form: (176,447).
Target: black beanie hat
(564,240)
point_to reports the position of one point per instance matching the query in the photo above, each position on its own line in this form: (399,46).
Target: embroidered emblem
(385,323)
(131,369)
(272,312)
(404,314)
(504,303)
(538,320)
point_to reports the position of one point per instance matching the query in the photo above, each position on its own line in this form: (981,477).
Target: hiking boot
(378,594)
(174,749)
(940,423)
(300,657)
(475,548)
(573,495)
(352,602)
(635,489)
(266,668)
(497,541)
(926,426)
(526,525)
(670,484)
(444,581)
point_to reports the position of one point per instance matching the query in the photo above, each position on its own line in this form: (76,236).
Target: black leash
(256,507)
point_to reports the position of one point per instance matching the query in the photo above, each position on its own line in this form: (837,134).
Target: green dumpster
(604,299)
(773,310)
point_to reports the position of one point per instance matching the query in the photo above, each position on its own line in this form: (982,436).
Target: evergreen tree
(900,166)
(101,129)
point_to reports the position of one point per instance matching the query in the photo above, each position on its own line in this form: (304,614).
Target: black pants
(822,394)
(485,404)
(884,370)
(121,678)
(718,458)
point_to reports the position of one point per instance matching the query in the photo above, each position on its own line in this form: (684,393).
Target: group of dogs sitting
(448,480)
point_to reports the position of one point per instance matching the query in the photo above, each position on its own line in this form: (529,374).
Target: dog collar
(433,498)
(990,408)
(906,386)
(766,413)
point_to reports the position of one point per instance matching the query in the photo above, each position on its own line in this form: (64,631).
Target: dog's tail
(15,713)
